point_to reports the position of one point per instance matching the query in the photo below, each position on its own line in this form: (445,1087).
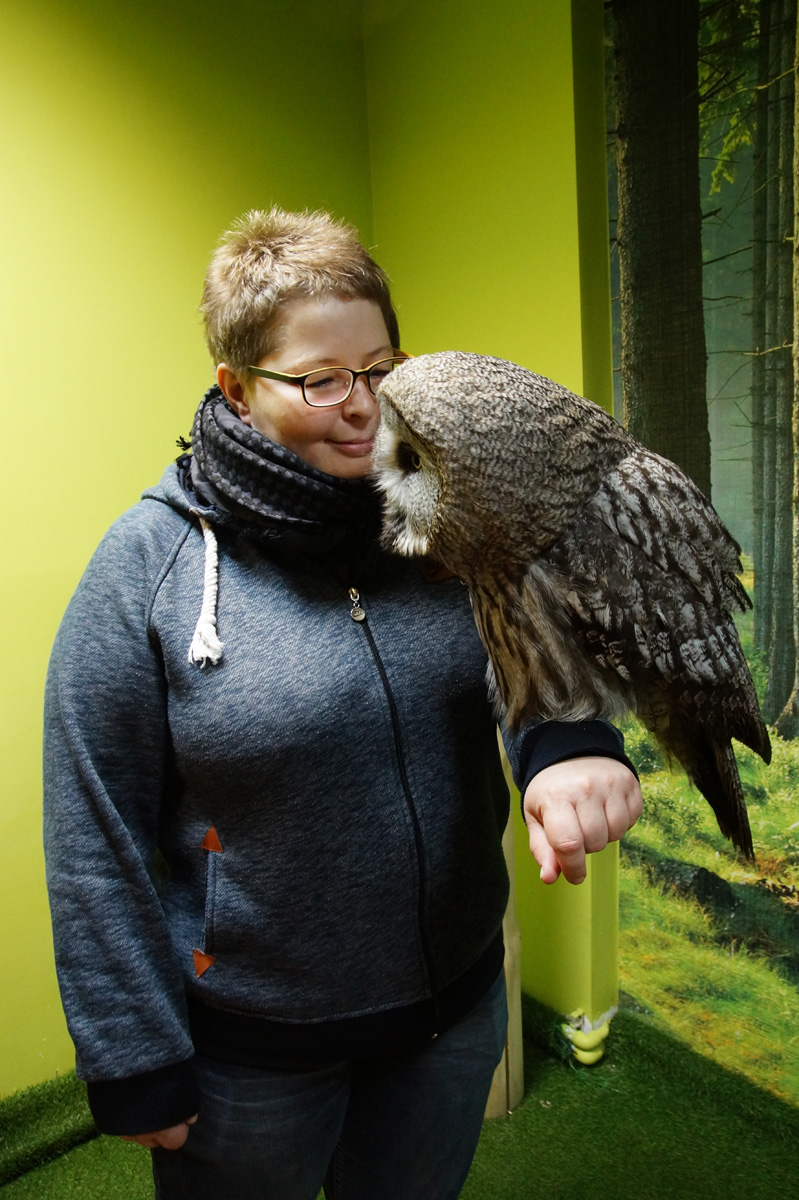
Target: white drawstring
(205,645)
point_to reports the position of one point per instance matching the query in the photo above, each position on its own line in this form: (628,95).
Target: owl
(601,579)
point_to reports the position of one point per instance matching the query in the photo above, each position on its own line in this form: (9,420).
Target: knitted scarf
(238,471)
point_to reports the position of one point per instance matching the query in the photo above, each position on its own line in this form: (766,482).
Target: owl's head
(438,456)
(483,463)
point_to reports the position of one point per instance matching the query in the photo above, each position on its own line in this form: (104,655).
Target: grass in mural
(724,1000)
(676,816)
(710,942)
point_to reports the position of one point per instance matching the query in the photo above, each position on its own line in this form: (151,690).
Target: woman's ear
(234,391)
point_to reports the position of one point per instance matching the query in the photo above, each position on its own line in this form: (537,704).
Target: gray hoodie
(304,836)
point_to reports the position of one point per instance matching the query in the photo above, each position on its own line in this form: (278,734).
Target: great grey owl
(601,578)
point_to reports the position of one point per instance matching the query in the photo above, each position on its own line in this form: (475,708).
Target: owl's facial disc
(411,492)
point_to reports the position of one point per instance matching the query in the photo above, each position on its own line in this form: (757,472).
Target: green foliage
(773,792)
(727,70)
(783,772)
(744,623)
(677,821)
(778,845)
(665,804)
(642,749)
(738,135)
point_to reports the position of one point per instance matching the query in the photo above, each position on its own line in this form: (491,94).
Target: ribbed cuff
(557,741)
(145,1103)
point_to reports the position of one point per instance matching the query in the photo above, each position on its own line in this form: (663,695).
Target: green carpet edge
(41,1123)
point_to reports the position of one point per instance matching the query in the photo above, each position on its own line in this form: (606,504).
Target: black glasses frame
(300,380)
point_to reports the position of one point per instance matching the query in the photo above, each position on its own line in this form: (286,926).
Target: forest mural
(703,172)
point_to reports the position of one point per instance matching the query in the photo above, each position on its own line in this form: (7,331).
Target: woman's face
(311,333)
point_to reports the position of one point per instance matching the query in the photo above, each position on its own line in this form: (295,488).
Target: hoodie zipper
(358,614)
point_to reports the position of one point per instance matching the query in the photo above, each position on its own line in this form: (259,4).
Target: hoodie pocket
(213,856)
(211,865)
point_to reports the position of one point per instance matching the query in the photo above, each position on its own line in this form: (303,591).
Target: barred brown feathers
(601,578)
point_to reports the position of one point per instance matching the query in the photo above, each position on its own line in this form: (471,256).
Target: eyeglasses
(333,385)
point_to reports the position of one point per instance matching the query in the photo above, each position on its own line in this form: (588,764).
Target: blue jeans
(399,1127)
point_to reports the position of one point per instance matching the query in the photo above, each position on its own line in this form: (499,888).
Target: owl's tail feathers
(711,767)
(732,711)
(716,776)
(755,735)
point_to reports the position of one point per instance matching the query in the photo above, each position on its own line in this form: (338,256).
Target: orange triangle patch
(202,962)
(211,841)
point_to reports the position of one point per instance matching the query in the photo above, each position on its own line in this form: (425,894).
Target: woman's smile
(312,333)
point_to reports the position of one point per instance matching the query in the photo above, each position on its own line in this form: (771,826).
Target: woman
(273,801)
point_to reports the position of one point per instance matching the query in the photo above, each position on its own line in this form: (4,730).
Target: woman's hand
(576,807)
(171,1139)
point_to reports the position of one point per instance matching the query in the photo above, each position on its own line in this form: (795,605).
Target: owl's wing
(651,503)
(649,573)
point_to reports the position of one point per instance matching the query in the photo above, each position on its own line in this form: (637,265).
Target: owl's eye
(407,458)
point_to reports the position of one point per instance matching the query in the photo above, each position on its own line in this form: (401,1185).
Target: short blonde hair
(270,257)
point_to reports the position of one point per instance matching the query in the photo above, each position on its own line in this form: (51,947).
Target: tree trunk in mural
(780,367)
(788,722)
(762,427)
(770,317)
(660,230)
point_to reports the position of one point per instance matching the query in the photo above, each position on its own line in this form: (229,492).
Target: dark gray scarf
(253,480)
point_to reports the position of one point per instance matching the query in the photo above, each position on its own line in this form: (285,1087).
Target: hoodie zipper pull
(356,612)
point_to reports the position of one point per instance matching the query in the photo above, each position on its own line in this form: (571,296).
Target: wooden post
(507,1088)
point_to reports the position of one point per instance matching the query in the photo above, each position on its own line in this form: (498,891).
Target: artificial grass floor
(652,1121)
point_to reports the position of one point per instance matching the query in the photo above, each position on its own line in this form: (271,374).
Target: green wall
(473,177)
(132,135)
(490,213)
